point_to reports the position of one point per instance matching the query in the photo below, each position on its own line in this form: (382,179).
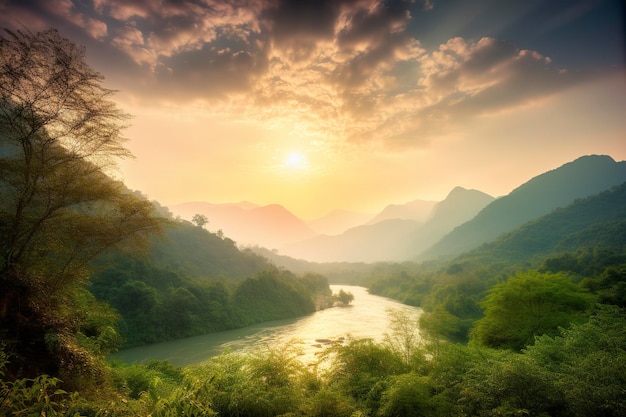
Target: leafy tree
(260,384)
(361,369)
(404,338)
(200,220)
(283,296)
(527,305)
(345,297)
(588,363)
(503,383)
(439,324)
(59,133)
(408,395)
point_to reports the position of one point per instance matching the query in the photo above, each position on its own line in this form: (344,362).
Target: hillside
(193,282)
(583,177)
(458,207)
(196,253)
(596,222)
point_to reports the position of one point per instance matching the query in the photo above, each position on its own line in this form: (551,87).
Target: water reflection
(366,317)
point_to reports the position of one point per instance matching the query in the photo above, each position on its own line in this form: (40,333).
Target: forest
(531,324)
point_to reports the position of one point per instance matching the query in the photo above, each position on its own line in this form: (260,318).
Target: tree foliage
(527,305)
(158,300)
(199,220)
(345,297)
(59,133)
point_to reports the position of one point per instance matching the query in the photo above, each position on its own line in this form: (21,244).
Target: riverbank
(366,317)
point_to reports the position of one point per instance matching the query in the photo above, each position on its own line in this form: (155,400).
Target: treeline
(164,295)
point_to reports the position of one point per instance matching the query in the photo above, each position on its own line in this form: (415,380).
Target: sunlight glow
(296,161)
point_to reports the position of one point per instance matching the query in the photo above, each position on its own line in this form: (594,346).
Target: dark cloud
(311,20)
(371,37)
(355,63)
(373,26)
(213,73)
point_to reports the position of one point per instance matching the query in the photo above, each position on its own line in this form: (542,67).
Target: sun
(296,161)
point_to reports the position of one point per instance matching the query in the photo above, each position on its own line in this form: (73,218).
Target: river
(366,317)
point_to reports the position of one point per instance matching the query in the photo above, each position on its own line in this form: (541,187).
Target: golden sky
(349,104)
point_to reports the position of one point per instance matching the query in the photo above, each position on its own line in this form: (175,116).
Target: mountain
(460,206)
(248,224)
(417,210)
(393,239)
(338,221)
(581,178)
(366,243)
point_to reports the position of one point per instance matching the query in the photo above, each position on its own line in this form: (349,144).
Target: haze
(349,104)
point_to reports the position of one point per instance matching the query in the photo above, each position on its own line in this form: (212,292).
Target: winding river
(366,317)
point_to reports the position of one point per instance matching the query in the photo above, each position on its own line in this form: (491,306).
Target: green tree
(504,383)
(408,395)
(439,324)
(588,363)
(527,305)
(361,369)
(404,338)
(345,297)
(200,220)
(59,134)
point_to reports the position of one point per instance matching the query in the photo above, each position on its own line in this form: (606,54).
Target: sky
(349,104)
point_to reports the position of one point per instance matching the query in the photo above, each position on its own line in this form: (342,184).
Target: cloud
(97,29)
(341,70)
(296,28)
(370,38)
(475,78)
(41,14)
(174,27)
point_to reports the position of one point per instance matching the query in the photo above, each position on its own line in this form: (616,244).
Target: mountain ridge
(271,225)
(417,210)
(392,240)
(338,221)
(585,176)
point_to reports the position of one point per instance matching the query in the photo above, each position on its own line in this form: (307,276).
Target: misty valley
(114,304)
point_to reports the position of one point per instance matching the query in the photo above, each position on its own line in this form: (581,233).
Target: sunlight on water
(366,317)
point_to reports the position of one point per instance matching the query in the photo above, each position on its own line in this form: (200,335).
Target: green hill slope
(597,221)
(191,282)
(581,178)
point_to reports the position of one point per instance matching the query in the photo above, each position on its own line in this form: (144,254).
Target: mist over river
(366,317)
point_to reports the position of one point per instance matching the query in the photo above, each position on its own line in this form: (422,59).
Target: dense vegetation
(541,311)
(580,371)
(194,282)
(59,134)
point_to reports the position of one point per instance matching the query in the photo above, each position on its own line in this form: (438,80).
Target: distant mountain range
(338,221)
(417,210)
(394,239)
(417,230)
